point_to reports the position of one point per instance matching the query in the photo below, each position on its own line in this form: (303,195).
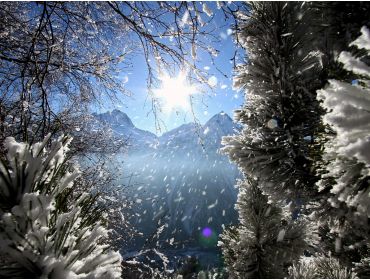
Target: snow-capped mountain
(179,179)
(122,126)
(217,127)
(200,139)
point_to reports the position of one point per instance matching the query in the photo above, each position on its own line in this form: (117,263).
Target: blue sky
(206,104)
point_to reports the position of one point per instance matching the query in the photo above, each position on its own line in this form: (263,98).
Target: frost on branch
(348,152)
(320,267)
(348,107)
(265,241)
(280,110)
(43,232)
(344,182)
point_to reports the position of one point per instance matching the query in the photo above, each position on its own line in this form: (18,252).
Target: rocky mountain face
(179,182)
(123,127)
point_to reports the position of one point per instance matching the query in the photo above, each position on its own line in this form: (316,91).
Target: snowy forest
(126,153)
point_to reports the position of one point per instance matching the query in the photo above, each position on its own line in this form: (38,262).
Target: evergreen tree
(266,242)
(319,267)
(280,113)
(346,172)
(49,228)
(292,49)
(280,117)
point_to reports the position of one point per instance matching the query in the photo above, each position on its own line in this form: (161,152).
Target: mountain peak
(219,119)
(116,117)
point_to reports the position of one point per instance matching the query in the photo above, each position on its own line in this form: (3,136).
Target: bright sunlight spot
(175,92)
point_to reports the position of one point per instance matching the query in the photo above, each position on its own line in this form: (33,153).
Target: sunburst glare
(175,93)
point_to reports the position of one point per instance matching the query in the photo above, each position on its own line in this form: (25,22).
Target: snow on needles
(36,236)
(349,108)
(348,113)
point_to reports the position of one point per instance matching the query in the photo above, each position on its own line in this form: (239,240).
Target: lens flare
(208,237)
(207,232)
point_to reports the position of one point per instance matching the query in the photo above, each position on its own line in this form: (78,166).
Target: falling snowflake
(212,81)
(272,124)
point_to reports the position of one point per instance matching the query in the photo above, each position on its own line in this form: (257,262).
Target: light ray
(175,93)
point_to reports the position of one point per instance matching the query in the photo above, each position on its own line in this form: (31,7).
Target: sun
(175,93)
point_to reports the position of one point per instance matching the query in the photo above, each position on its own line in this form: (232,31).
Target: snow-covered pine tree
(280,116)
(280,113)
(266,242)
(346,175)
(292,50)
(48,228)
(320,267)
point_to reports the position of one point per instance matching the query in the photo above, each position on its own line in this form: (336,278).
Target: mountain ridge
(179,178)
(122,125)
